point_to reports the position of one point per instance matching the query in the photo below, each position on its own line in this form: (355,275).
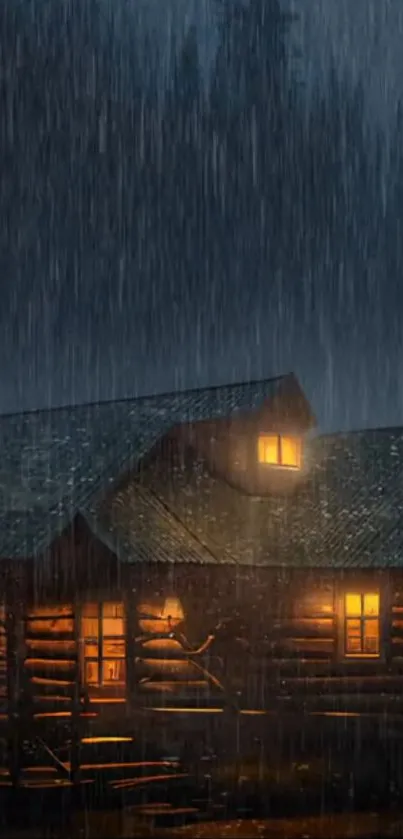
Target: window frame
(279,438)
(361,587)
(362,619)
(118,688)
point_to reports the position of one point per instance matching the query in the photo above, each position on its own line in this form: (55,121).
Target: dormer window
(279,450)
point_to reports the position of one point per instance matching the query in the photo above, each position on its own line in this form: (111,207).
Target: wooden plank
(54,699)
(279,668)
(319,601)
(345,702)
(302,627)
(48,655)
(49,668)
(49,626)
(49,681)
(299,648)
(50,612)
(42,689)
(53,646)
(342,685)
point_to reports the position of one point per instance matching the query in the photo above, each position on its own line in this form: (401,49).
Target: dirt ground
(117,826)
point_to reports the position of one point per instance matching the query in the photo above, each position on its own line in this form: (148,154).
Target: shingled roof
(54,463)
(346,513)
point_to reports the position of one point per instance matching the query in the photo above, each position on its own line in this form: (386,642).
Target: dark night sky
(77,322)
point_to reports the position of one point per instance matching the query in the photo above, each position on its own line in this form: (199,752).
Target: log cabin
(197,551)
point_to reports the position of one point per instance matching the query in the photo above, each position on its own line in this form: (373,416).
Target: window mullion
(279,455)
(362,624)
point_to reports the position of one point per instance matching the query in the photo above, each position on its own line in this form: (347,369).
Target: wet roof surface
(347,511)
(54,462)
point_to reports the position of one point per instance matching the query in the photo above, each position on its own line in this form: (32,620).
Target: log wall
(274,638)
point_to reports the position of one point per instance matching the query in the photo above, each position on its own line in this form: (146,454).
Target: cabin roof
(54,463)
(346,513)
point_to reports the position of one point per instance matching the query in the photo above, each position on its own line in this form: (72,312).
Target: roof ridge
(144,397)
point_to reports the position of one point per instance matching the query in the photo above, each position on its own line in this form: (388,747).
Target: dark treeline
(256,190)
(175,200)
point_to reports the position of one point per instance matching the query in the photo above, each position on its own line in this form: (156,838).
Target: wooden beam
(75,721)
(14,663)
(131,631)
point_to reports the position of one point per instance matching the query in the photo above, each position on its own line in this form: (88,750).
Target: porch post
(14,663)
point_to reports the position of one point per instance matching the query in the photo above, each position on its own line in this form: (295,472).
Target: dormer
(259,452)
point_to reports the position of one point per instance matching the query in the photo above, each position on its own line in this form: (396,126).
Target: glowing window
(279,450)
(103,645)
(362,624)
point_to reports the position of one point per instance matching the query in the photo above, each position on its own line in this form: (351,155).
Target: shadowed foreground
(119,826)
(335,778)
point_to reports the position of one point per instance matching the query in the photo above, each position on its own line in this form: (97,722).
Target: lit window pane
(91,673)
(371,604)
(354,626)
(290,451)
(353,636)
(113,626)
(353,605)
(91,650)
(353,644)
(112,610)
(89,627)
(268,449)
(371,637)
(113,672)
(114,649)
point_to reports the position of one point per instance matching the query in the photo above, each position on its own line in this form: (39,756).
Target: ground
(351,826)
(303,778)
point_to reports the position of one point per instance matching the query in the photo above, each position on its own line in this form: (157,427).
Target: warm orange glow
(353,605)
(279,450)
(173,610)
(158,644)
(371,605)
(107,700)
(40,645)
(159,619)
(165,666)
(94,740)
(49,626)
(103,645)
(268,449)
(190,710)
(290,451)
(362,624)
(52,612)
(50,663)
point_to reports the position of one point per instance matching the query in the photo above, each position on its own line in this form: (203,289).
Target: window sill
(280,467)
